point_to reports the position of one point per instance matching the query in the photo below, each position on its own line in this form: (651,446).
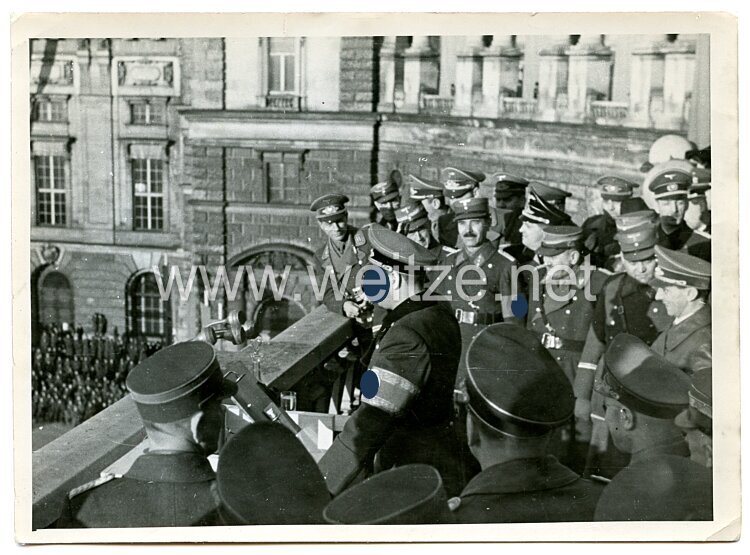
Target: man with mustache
(387,200)
(599,231)
(625,305)
(670,189)
(458,185)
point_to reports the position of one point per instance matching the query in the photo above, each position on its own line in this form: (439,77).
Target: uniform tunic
(473,316)
(410,418)
(683,238)
(160,489)
(445,229)
(688,343)
(509,226)
(599,233)
(568,319)
(340,257)
(528,490)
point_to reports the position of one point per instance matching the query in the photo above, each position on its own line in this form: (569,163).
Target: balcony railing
(115,435)
(435,104)
(286,102)
(519,108)
(605,112)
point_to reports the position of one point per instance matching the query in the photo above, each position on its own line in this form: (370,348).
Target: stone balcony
(110,441)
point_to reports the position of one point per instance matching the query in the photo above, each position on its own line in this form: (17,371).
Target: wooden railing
(82,453)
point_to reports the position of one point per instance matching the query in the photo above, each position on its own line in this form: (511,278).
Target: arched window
(55,299)
(273,317)
(148,315)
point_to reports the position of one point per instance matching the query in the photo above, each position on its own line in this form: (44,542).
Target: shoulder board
(359,239)
(605,271)
(449,250)
(702,233)
(454,503)
(91,485)
(598,278)
(501,250)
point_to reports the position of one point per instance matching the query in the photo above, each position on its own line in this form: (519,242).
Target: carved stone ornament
(50,253)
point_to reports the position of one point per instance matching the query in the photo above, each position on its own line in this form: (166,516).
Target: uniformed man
(625,305)
(643,393)
(518,397)
(458,185)
(599,231)
(701,157)
(561,308)
(698,216)
(266,476)
(411,494)
(387,200)
(414,223)
(342,251)
(536,215)
(553,195)
(670,189)
(430,194)
(666,148)
(479,284)
(406,415)
(663,487)
(696,421)
(178,393)
(683,284)
(510,198)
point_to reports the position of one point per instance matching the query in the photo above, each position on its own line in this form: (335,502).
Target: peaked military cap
(393,249)
(507,185)
(174,382)
(681,269)
(330,207)
(422,189)
(642,380)
(384,191)
(410,494)
(634,212)
(560,238)
(661,487)
(255,486)
(523,393)
(550,194)
(637,242)
(540,211)
(458,182)
(471,208)
(616,188)
(671,184)
(701,183)
(413,216)
(698,414)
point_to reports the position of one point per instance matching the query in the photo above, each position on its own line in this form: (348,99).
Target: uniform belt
(551,341)
(473,317)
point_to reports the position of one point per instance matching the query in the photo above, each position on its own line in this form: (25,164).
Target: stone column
(553,76)
(499,73)
(387,74)
(588,76)
(419,69)
(679,67)
(466,75)
(699,129)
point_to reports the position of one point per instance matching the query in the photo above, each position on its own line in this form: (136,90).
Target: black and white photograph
(326,275)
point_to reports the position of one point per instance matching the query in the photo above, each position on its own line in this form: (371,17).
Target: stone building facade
(189,152)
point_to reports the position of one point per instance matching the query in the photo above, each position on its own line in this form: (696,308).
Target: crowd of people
(567,378)
(75,375)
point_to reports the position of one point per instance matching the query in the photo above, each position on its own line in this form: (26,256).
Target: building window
(149,315)
(50,109)
(282,176)
(148,194)
(146,113)
(49,174)
(55,299)
(282,66)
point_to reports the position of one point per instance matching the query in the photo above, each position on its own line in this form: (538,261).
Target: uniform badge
(672,187)
(359,239)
